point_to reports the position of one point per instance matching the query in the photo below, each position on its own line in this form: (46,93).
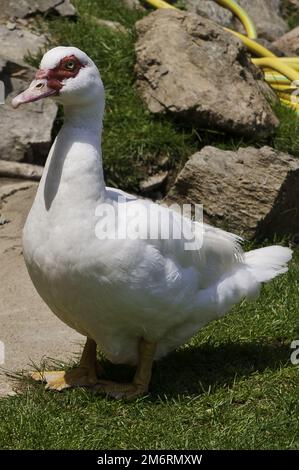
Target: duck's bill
(37,90)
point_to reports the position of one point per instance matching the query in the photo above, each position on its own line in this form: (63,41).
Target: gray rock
(66,8)
(25,135)
(11,26)
(17,43)
(114,25)
(252,192)
(153,182)
(3,221)
(20,170)
(266,16)
(209,9)
(26,8)
(289,43)
(133,4)
(271,47)
(188,67)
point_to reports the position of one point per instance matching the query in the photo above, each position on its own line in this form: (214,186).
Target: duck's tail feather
(267,263)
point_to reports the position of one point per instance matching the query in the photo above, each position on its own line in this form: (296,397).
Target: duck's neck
(74,169)
(88,117)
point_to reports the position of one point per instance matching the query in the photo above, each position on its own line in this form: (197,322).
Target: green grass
(286,138)
(290,12)
(232,387)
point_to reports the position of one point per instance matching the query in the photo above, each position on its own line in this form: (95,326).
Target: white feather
(269,262)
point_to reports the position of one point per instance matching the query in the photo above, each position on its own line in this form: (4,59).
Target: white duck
(137,299)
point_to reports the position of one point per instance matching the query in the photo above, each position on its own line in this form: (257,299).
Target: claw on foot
(120,391)
(140,384)
(89,371)
(60,379)
(86,375)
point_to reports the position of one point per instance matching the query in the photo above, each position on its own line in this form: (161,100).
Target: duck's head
(66,74)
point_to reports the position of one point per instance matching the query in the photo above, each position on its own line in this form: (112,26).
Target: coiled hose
(281,73)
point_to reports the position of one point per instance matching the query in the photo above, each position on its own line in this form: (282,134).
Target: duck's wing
(210,251)
(113,194)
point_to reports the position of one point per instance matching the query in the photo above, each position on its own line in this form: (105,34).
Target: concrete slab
(28,329)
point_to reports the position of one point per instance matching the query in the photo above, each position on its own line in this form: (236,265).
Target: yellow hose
(293,97)
(252,45)
(294,64)
(289,60)
(160,4)
(241,14)
(268,70)
(283,87)
(290,105)
(279,66)
(276,78)
(281,73)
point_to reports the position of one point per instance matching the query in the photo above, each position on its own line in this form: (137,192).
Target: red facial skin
(57,75)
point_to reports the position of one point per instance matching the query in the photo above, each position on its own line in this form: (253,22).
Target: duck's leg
(85,375)
(139,385)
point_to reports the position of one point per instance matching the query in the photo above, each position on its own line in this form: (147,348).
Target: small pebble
(11,26)
(4,221)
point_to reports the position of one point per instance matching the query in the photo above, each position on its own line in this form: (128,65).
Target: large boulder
(211,10)
(188,67)
(17,43)
(26,8)
(25,134)
(265,14)
(289,42)
(252,192)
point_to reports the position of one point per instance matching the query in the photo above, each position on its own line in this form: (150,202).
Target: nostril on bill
(39,85)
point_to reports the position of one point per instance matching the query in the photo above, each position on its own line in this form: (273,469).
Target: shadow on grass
(195,370)
(192,370)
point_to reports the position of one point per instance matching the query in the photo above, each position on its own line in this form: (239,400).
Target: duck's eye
(70,65)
